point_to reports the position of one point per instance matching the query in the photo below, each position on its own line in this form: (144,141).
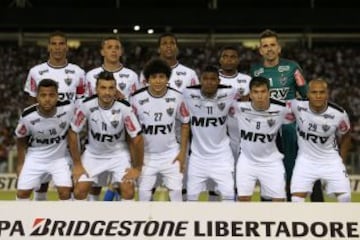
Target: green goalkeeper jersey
(286,79)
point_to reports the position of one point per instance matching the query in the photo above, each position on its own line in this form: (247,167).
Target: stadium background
(323,36)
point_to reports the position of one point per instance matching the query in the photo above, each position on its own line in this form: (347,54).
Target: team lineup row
(218,113)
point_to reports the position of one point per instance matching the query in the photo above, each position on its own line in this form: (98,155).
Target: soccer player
(107,120)
(157,107)
(70,79)
(286,80)
(181,75)
(259,121)
(322,127)
(42,144)
(126,82)
(211,156)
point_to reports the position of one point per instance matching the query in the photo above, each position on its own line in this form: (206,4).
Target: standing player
(321,125)
(211,156)
(181,76)
(157,107)
(126,82)
(259,121)
(286,80)
(108,120)
(41,142)
(70,79)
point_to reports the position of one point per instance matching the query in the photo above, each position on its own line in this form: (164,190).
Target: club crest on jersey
(68,81)
(283,80)
(221,106)
(122,85)
(114,123)
(62,125)
(178,82)
(325,127)
(170,111)
(271,122)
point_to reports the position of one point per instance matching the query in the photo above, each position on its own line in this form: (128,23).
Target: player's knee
(81,191)
(64,193)
(344,197)
(127,191)
(23,194)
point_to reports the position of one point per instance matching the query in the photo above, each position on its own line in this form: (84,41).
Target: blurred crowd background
(339,64)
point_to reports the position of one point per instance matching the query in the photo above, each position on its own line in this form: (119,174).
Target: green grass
(159,196)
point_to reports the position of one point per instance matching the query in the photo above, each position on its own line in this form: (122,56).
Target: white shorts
(271,176)
(332,173)
(219,168)
(34,171)
(97,166)
(168,171)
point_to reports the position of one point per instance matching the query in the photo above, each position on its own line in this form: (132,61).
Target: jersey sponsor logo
(61,114)
(170,100)
(143,101)
(67,71)
(343,126)
(183,110)
(122,75)
(66,96)
(301,109)
(279,93)
(41,72)
(156,129)
(257,137)
(222,96)
(326,116)
(180,73)
(193,96)
(284,68)
(93,109)
(239,80)
(208,121)
(258,72)
(312,137)
(129,124)
(47,141)
(33,122)
(242,109)
(299,78)
(105,137)
(80,117)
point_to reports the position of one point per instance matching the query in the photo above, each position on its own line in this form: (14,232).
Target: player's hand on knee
(78,170)
(131,174)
